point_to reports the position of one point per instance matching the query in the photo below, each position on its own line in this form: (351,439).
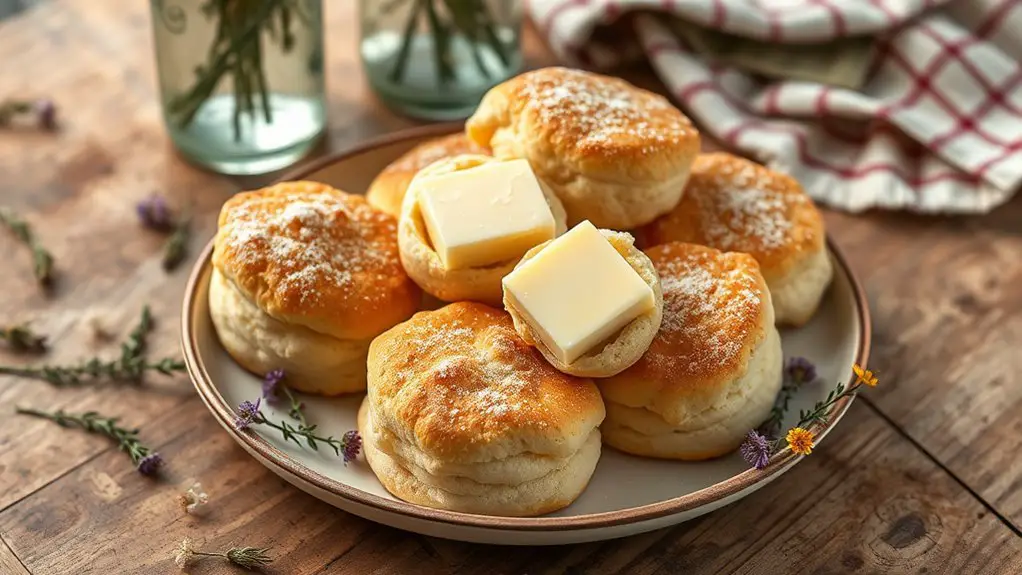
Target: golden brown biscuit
(626,346)
(737,205)
(388,188)
(305,276)
(714,368)
(614,154)
(461,414)
(422,263)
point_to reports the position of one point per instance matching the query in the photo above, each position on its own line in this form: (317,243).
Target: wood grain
(948,322)
(866,501)
(9,564)
(947,328)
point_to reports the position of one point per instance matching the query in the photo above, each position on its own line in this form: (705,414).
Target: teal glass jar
(241,81)
(434,59)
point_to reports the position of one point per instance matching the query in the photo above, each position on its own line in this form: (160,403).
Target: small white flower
(184,553)
(195,499)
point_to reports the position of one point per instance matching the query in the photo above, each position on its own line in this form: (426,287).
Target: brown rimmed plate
(627,495)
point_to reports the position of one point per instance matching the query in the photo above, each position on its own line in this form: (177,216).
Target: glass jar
(241,81)
(434,59)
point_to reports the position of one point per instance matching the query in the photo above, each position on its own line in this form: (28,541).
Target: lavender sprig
(21,338)
(797,371)
(348,446)
(755,449)
(273,385)
(146,461)
(154,214)
(42,260)
(130,367)
(44,110)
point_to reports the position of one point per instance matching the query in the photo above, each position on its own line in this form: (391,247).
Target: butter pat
(485,215)
(577,292)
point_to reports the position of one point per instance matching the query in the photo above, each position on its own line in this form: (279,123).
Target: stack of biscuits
(568,272)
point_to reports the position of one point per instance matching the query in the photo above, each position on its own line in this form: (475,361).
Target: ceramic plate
(627,494)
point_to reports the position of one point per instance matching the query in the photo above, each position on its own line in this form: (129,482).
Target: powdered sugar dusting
(312,239)
(712,304)
(473,372)
(598,110)
(744,211)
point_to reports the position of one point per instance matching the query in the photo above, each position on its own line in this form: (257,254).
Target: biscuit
(615,155)
(714,369)
(387,190)
(462,415)
(623,348)
(305,276)
(733,204)
(422,263)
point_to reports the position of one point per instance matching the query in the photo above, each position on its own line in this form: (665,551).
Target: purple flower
(351,445)
(46,114)
(247,413)
(270,382)
(154,213)
(800,370)
(755,450)
(150,464)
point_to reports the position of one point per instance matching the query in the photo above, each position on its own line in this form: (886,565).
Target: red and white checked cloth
(948,76)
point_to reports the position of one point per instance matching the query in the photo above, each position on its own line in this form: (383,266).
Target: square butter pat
(577,292)
(485,215)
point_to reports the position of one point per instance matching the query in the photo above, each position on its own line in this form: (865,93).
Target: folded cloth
(937,126)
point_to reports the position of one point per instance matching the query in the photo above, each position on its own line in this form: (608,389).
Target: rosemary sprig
(146,461)
(176,248)
(136,344)
(94,369)
(42,260)
(21,338)
(130,367)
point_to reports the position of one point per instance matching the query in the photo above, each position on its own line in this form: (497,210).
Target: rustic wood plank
(865,501)
(947,324)
(947,314)
(78,188)
(9,563)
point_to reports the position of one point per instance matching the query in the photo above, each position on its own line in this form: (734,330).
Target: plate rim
(225,415)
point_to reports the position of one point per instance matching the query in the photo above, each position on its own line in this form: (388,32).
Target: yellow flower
(864,376)
(800,440)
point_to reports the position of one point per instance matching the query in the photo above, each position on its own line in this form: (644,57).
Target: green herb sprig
(237,51)
(348,446)
(130,367)
(472,18)
(176,247)
(21,338)
(145,460)
(42,260)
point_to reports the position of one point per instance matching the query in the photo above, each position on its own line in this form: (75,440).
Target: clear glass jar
(241,81)
(435,59)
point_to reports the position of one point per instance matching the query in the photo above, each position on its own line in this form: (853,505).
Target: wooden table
(923,475)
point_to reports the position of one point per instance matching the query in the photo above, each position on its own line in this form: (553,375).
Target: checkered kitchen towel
(946,74)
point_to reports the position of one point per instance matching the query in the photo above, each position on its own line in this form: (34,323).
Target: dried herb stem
(130,367)
(144,459)
(21,338)
(42,260)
